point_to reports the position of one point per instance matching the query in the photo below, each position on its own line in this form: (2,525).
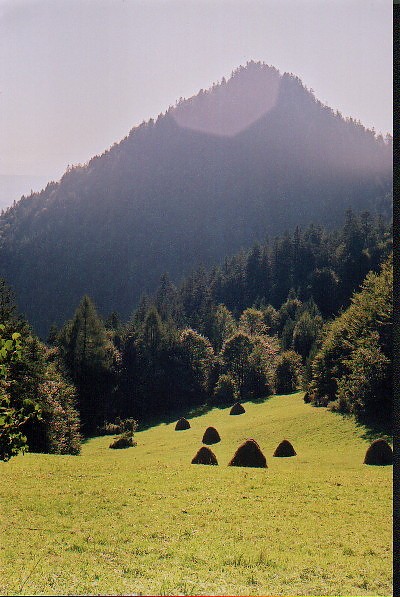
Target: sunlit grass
(144,520)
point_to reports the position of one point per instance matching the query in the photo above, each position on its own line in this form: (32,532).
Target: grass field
(146,521)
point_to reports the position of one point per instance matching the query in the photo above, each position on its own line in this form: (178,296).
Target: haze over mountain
(13,186)
(251,156)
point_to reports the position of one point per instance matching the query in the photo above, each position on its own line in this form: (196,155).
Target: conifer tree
(88,356)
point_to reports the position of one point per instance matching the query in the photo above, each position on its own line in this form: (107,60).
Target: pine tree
(88,356)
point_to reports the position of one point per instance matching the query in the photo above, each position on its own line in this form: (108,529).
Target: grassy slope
(144,520)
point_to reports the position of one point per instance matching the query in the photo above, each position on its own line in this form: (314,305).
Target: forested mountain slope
(252,156)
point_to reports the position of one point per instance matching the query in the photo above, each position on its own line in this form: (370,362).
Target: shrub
(119,426)
(225,391)
(108,429)
(58,429)
(128,428)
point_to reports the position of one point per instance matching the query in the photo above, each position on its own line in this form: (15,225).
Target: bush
(225,391)
(59,416)
(288,372)
(128,428)
(58,429)
(119,426)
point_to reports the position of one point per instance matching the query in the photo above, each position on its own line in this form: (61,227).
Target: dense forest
(239,246)
(312,310)
(252,156)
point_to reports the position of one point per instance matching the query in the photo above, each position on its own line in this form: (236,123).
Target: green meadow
(146,521)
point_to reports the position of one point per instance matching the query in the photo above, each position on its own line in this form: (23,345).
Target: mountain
(12,187)
(254,155)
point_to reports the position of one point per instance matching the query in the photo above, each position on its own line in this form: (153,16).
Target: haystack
(211,436)
(205,456)
(182,424)
(237,409)
(249,454)
(285,449)
(122,442)
(379,453)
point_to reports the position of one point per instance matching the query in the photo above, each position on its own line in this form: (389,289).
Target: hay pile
(182,424)
(205,456)
(211,436)
(237,409)
(379,453)
(285,449)
(249,454)
(122,442)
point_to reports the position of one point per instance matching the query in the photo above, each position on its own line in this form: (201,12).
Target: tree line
(310,310)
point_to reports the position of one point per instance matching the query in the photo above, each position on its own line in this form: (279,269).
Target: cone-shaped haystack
(249,454)
(182,424)
(211,436)
(379,453)
(237,409)
(205,456)
(285,449)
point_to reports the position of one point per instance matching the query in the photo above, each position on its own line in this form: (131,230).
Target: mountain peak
(229,107)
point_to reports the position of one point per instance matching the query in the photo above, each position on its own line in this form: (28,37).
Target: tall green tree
(89,357)
(355,362)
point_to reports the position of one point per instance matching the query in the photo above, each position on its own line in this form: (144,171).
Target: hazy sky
(77,75)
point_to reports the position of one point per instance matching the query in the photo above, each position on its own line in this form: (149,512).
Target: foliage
(288,372)
(168,198)
(127,428)
(38,402)
(305,333)
(354,364)
(225,391)
(12,419)
(60,419)
(90,359)
(119,426)
(223,325)
(249,360)
(252,322)
(198,355)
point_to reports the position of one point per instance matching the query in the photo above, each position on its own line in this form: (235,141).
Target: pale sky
(77,75)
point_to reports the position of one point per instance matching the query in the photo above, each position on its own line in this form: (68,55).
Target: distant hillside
(252,155)
(12,187)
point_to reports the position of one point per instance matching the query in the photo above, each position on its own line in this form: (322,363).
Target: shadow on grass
(371,428)
(188,412)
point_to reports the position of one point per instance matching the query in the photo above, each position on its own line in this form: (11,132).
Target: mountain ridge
(167,196)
